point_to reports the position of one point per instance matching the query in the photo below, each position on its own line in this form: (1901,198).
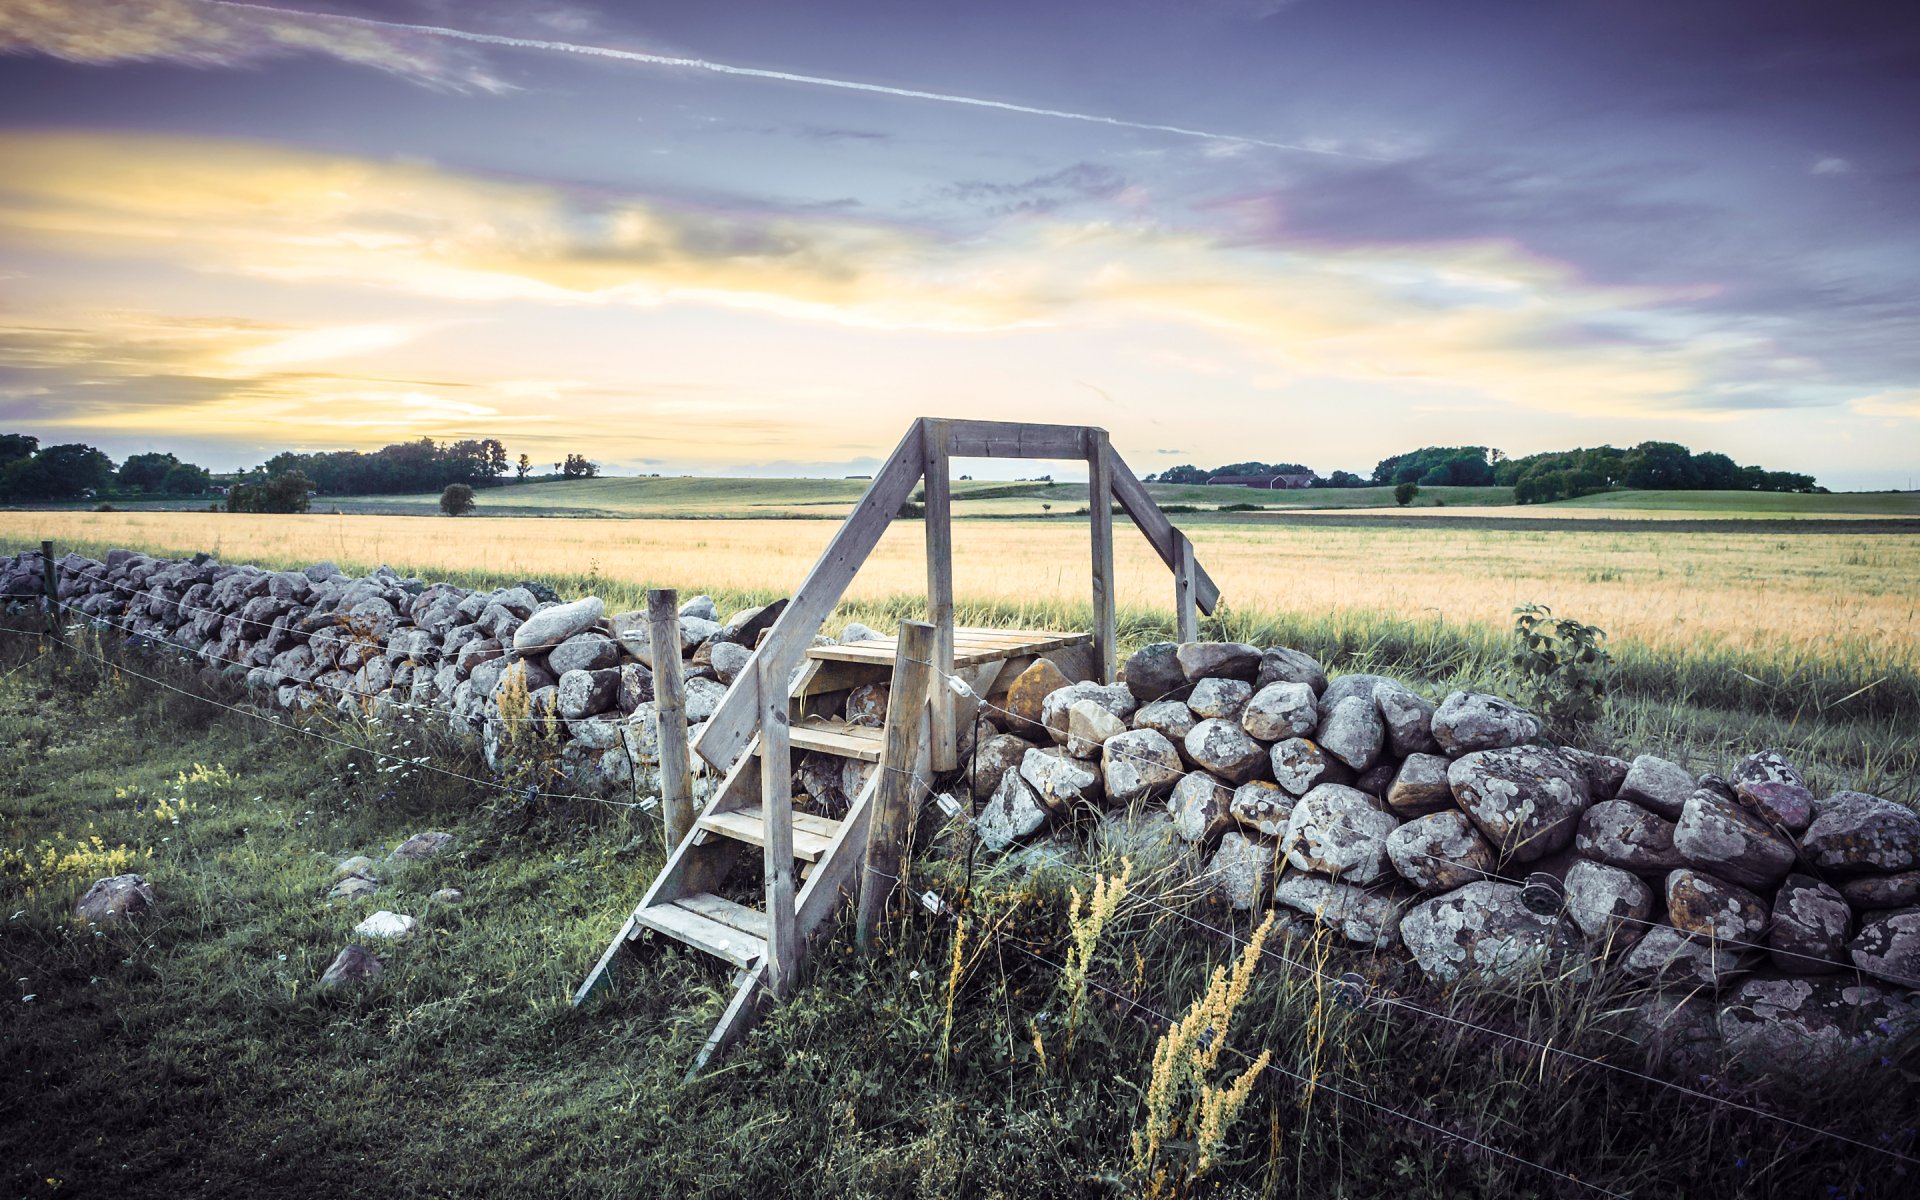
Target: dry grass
(1832,597)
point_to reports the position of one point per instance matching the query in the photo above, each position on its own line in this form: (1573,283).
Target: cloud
(1831,166)
(1901,405)
(198,34)
(1041,193)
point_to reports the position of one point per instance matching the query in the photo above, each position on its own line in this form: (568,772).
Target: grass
(191,1054)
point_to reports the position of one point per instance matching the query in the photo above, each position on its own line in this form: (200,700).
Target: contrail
(849,85)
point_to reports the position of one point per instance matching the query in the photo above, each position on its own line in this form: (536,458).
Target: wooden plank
(1015,439)
(887,832)
(750,921)
(834,676)
(703,933)
(837,737)
(1158,530)
(1186,619)
(969,649)
(776,815)
(733,723)
(1100,513)
(670,704)
(750,828)
(749,996)
(946,750)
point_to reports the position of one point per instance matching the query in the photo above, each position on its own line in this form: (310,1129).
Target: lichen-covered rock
(1604,772)
(993,757)
(1139,765)
(1439,852)
(1088,728)
(1222,698)
(352,965)
(1199,806)
(589,651)
(1731,842)
(1658,785)
(1153,673)
(1055,711)
(1027,698)
(1666,955)
(1352,731)
(1714,909)
(1527,800)
(1339,831)
(1420,786)
(584,693)
(551,626)
(1854,833)
(1470,721)
(1777,802)
(1279,711)
(422,846)
(1622,834)
(1172,718)
(1375,780)
(1882,891)
(1408,718)
(1888,946)
(389,926)
(1766,766)
(1218,660)
(1482,932)
(1609,905)
(1059,779)
(1366,917)
(1262,807)
(1299,766)
(1239,870)
(1014,814)
(1810,926)
(114,899)
(728,660)
(867,705)
(1222,747)
(702,698)
(1814,1026)
(1283,664)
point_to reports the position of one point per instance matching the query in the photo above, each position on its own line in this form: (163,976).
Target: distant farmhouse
(1269,483)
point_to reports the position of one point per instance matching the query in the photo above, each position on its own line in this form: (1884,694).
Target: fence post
(1186,616)
(1100,508)
(893,797)
(939,530)
(50,585)
(776,816)
(670,712)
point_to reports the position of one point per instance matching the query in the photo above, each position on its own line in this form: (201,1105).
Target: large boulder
(1439,852)
(1419,786)
(114,899)
(551,626)
(1484,933)
(1153,673)
(589,651)
(1810,926)
(1360,915)
(1854,833)
(1527,800)
(1339,831)
(1222,747)
(1622,834)
(1609,905)
(1470,721)
(1262,808)
(1139,765)
(1199,804)
(1814,1026)
(1656,784)
(1218,660)
(1282,664)
(1059,779)
(1888,945)
(1713,909)
(1300,765)
(1352,731)
(1014,814)
(1731,842)
(584,693)
(1279,711)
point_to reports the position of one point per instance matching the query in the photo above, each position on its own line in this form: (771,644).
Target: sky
(760,238)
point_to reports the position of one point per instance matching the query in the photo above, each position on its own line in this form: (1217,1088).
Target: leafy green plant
(1560,667)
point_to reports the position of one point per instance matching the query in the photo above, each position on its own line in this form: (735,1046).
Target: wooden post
(670,711)
(1100,508)
(945,734)
(1186,615)
(50,585)
(892,799)
(776,814)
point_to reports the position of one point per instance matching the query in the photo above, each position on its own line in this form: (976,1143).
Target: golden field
(1845,597)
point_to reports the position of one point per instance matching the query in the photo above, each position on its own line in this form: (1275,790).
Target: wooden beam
(1133,496)
(1100,512)
(776,815)
(946,751)
(893,799)
(1186,620)
(733,722)
(670,710)
(1014,439)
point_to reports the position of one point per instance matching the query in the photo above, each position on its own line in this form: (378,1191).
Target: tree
(146,472)
(524,469)
(456,500)
(577,467)
(16,446)
(1404,493)
(283,493)
(1457,466)
(57,473)
(185,479)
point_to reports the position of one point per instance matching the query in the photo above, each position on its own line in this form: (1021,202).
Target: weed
(1561,669)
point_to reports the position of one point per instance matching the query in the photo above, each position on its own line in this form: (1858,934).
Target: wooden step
(812,833)
(971,647)
(831,736)
(750,921)
(702,932)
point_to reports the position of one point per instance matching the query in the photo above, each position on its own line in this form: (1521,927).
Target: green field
(1784,504)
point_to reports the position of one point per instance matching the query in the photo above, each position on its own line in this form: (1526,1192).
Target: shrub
(1561,666)
(457,500)
(1404,493)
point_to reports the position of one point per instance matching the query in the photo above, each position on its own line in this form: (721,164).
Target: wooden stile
(670,712)
(939,526)
(1100,509)
(776,813)
(893,799)
(1186,621)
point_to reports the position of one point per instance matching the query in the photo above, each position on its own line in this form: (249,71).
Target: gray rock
(1658,785)
(1888,946)
(1609,905)
(1199,807)
(1262,808)
(474,653)
(1408,718)
(358,864)
(1622,834)
(1299,766)
(1279,711)
(1218,660)
(584,693)
(1731,842)
(1059,779)
(1604,772)
(390,926)
(1882,891)
(1810,927)
(1172,718)
(1439,852)
(1282,664)
(703,607)
(352,965)
(1766,766)
(992,758)
(1088,728)
(636,686)
(1805,1027)
(1526,800)
(1153,673)
(422,846)
(729,659)
(1338,831)
(1484,933)
(551,626)
(1222,747)
(1239,870)
(1054,710)
(1664,954)
(1352,731)
(1375,780)
(589,651)
(703,697)
(856,632)
(353,887)
(448,895)
(1787,806)
(114,899)
(1420,786)
(1854,833)
(1470,721)
(1714,909)
(1139,765)
(1222,698)
(1364,917)
(1014,814)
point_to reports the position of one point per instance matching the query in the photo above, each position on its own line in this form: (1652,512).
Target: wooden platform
(971,647)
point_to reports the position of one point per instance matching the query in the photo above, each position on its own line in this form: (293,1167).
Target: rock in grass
(551,626)
(1482,932)
(1526,800)
(353,887)
(1666,955)
(1731,842)
(1279,711)
(1283,664)
(1810,926)
(1339,831)
(1239,870)
(1362,916)
(358,864)
(114,899)
(1470,721)
(1622,834)
(448,895)
(1439,852)
(1888,946)
(1262,808)
(1222,747)
(1713,909)
(1153,673)
(422,846)
(383,924)
(1854,833)
(1200,807)
(1814,1026)
(1609,905)
(1138,765)
(1658,785)
(1014,814)
(352,965)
